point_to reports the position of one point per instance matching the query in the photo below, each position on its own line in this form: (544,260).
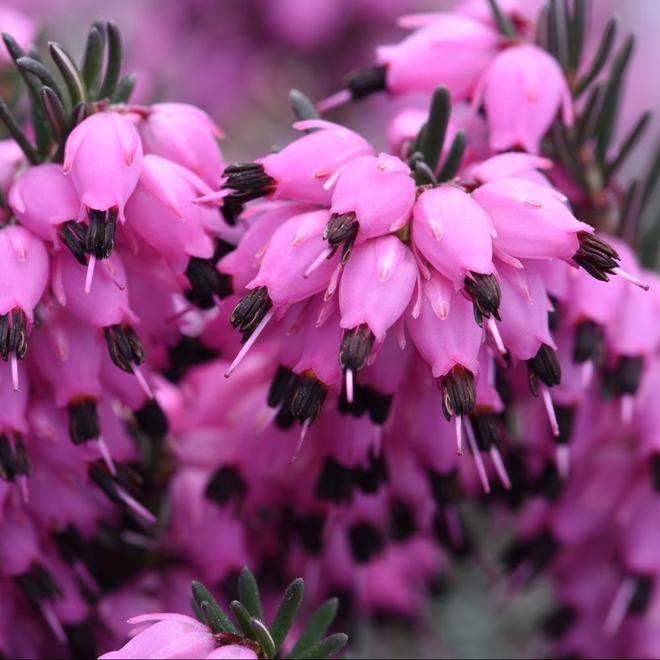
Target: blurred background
(238,59)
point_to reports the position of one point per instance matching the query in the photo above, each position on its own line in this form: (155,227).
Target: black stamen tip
(250,311)
(459,393)
(356,345)
(596,256)
(485,293)
(545,365)
(366,81)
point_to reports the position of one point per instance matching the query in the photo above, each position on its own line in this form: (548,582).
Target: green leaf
(652,177)
(93,57)
(567,155)
(576,31)
(558,31)
(248,593)
(454,157)
(70,72)
(244,619)
(317,626)
(214,615)
(323,649)
(609,112)
(37,69)
(39,119)
(55,112)
(631,212)
(586,124)
(113,67)
(124,88)
(435,129)
(286,612)
(629,143)
(423,174)
(603,52)
(264,638)
(15,131)
(302,106)
(504,25)
(542,26)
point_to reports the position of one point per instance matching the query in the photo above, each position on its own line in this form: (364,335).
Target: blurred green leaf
(286,612)
(248,593)
(317,626)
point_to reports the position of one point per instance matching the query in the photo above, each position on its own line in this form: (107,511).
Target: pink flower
(523,91)
(187,135)
(168,636)
(103,156)
(531,221)
(377,285)
(450,50)
(22,28)
(43,198)
(161,211)
(454,233)
(380,192)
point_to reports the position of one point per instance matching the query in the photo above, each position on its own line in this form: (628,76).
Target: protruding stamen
(627,408)
(301,439)
(459,435)
(619,607)
(497,337)
(53,621)
(105,454)
(349,385)
(630,278)
(500,468)
(563,460)
(13,361)
(339,98)
(318,261)
(90,273)
(478,460)
(550,411)
(248,344)
(135,506)
(142,381)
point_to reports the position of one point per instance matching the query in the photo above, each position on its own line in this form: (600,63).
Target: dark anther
(13,334)
(230,210)
(597,257)
(538,552)
(74,236)
(151,419)
(559,621)
(13,462)
(81,640)
(486,295)
(487,430)
(38,585)
(310,530)
(655,472)
(402,521)
(379,405)
(366,81)
(100,237)
(565,420)
(356,345)
(225,484)
(589,342)
(248,181)
(369,478)
(366,542)
(206,283)
(444,487)
(451,535)
(124,346)
(308,397)
(281,386)
(335,482)
(342,229)
(641,598)
(250,311)
(458,392)
(70,543)
(84,423)
(553,314)
(544,366)
(190,351)
(624,377)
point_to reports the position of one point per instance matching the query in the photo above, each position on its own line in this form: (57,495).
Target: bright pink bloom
(379,190)
(303,166)
(454,233)
(451,50)
(292,249)
(169,636)
(23,270)
(187,135)
(531,221)
(103,155)
(515,164)
(377,285)
(523,91)
(161,211)
(22,28)
(43,198)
